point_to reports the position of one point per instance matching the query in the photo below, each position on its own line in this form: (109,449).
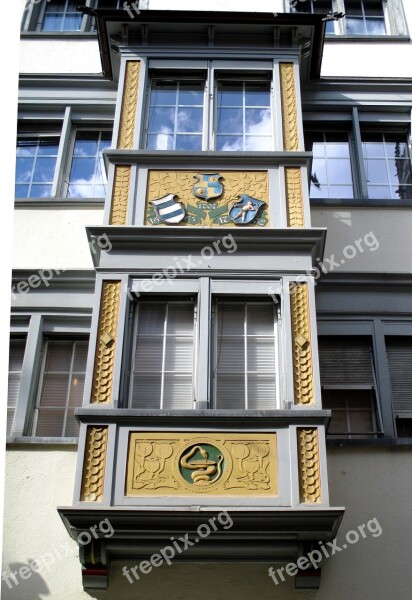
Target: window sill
(58,203)
(378,442)
(55,35)
(360,202)
(43,441)
(368,39)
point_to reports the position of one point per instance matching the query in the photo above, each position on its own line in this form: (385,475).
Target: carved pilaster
(309,466)
(129,105)
(120,197)
(301,344)
(294,196)
(289,107)
(94,464)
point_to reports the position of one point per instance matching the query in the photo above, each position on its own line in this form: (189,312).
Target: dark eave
(104,16)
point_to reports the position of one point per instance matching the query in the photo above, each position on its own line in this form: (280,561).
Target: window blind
(162,370)
(16,356)
(245,356)
(345,361)
(399,352)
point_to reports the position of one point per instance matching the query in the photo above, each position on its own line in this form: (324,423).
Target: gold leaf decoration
(106,343)
(309,466)
(294,197)
(301,343)
(94,464)
(289,106)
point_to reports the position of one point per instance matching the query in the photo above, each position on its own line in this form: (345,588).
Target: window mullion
(40,387)
(246,356)
(66,408)
(162,385)
(359,158)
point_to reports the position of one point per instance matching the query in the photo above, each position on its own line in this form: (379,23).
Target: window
(348,386)
(241,109)
(163,358)
(16,356)
(61,15)
(175,120)
(331,168)
(35,165)
(245,373)
(87,176)
(60,388)
(388,167)
(244,120)
(361,17)
(399,352)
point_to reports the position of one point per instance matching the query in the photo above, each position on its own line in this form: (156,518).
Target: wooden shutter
(399,352)
(345,361)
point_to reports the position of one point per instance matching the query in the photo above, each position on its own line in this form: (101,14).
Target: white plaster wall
(371,483)
(391,227)
(59,56)
(219,5)
(49,238)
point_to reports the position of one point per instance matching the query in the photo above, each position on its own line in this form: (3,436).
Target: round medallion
(202,465)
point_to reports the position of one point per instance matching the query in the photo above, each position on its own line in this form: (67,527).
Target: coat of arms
(208,186)
(246,210)
(168,209)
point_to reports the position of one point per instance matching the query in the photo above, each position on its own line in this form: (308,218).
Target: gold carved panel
(309,466)
(301,344)
(120,195)
(189,464)
(289,106)
(213,212)
(106,343)
(294,197)
(94,464)
(129,105)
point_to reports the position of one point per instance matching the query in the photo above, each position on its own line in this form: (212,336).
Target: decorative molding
(294,197)
(309,466)
(120,196)
(177,464)
(301,344)
(289,106)
(106,343)
(94,464)
(129,105)
(212,213)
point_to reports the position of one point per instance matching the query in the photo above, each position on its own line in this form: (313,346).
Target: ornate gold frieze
(106,343)
(301,343)
(294,197)
(185,464)
(94,464)
(213,212)
(309,466)
(289,106)
(129,105)
(120,196)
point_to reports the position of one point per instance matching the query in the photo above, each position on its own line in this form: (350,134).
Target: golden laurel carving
(120,196)
(289,106)
(309,466)
(294,197)
(129,105)
(106,343)
(164,464)
(94,464)
(212,213)
(301,344)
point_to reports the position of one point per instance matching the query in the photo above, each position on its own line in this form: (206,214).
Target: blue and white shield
(246,210)
(208,186)
(168,210)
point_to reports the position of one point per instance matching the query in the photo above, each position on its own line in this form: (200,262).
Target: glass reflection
(35,165)
(87,177)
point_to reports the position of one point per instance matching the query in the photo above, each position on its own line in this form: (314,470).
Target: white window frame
(43,134)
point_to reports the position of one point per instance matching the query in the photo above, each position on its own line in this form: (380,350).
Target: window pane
(188,142)
(230,120)
(50,423)
(76,390)
(230,355)
(230,94)
(230,391)
(339,171)
(375,26)
(149,354)
(162,120)
(146,391)
(191,94)
(59,356)
(229,143)
(190,120)
(54,390)
(258,121)
(354,26)
(260,354)
(257,94)
(178,392)
(331,175)
(24,169)
(258,143)
(260,319)
(163,94)
(261,392)
(72,425)
(179,354)
(87,174)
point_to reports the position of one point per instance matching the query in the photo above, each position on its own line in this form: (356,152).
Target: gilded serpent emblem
(203,470)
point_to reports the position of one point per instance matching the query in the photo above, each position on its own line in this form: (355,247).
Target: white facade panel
(59,56)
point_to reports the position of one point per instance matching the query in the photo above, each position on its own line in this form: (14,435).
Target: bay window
(87,174)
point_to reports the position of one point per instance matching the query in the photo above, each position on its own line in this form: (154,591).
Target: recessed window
(164,355)
(348,386)
(387,166)
(244,116)
(175,118)
(245,355)
(364,17)
(331,175)
(60,388)
(87,176)
(399,352)
(16,356)
(35,166)
(61,15)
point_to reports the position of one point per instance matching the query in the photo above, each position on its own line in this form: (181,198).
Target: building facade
(211,330)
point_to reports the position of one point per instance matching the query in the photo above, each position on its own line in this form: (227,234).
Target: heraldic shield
(246,210)
(208,186)
(168,209)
